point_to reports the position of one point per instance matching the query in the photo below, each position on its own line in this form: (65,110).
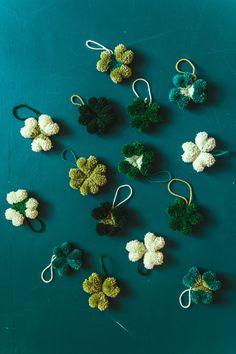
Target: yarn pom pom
(143,114)
(67,258)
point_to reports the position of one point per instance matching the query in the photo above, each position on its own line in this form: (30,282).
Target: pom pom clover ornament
(38,129)
(144,114)
(65,259)
(111,216)
(201,288)
(97,115)
(187,87)
(115,63)
(88,176)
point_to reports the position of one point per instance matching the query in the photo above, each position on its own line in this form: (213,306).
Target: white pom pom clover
(199,153)
(149,250)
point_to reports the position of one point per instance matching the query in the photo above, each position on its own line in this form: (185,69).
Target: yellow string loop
(187,61)
(180,196)
(76,97)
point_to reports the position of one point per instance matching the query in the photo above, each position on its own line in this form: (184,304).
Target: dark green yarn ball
(67,258)
(97,115)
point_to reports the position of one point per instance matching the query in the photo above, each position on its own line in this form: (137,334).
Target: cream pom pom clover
(148,251)
(38,129)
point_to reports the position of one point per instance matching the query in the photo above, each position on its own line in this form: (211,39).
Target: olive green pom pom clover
(97,115)
(39,129)
(144,113)
(187,87)
(65,259)
(138,160)
(183,214)
(23,208)
(111,216)
(88,175)
(115,63)
(101,288)
(201,288)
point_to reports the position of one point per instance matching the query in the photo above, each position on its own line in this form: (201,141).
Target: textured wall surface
(43,62)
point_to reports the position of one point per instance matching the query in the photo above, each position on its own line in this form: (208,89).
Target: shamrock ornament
(138,160)
(97,115)
(115,63)
(148,251)
(187,87)
(201,288)
(199,153)
(38,129)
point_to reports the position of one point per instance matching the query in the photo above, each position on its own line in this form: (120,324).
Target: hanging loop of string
(17,108)
(98,46)
(66,151)
(186,291)
(148,87)
(114,205)
(168,173)
(141,269)
(49,267)
(31,223)
(220,152)
(74,100)
(187,61)
(103,271)
(180,196)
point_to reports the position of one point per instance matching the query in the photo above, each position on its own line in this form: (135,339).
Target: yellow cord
(187,61)
(77,97)
(180,196)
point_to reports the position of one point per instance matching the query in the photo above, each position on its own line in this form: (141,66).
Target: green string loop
(41,228)
(103,271)
(168,173)
(63,156)
(220,152)
(141,269)
(16,108)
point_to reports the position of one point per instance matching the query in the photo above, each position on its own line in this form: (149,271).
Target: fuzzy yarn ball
(187,88)
(143,114)
(138,160)
(40,130)
(199,153)
(67,258)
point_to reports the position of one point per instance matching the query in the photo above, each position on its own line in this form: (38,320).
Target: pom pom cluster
(143,114)
(202,286)
(149,250)
(199,153)
(187,89)
(100,290)
(21,207)
(138,160)
(97,115)
(67,258)
(89,176)
(117,63)
(40,130)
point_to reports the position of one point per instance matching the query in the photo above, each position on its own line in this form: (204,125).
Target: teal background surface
(43,62)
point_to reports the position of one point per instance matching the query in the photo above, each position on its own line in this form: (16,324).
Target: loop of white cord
(189,298)
(148,87)
(99,46)
(51,271)
(124,200)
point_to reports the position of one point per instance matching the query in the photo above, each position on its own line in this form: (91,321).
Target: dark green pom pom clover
(66,259)
(143,114)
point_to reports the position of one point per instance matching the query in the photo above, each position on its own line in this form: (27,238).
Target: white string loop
(189,298)
(124,200)
(51,271)
(148,87)
(99,46)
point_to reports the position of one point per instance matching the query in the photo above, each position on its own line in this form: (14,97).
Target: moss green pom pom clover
(144,113)
(138,160)
(111,216)
(97,115)
(39,129)
(101,288)
(23,208)
(65,259)
(183,214)
(201,288)
(88,175)
(115,63)
(187,87)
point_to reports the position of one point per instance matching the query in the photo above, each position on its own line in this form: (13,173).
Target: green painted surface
(43,61)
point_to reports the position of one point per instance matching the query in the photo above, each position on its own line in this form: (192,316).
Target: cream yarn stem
(180,196)
(124,200)
(189,298)
(148,87)
(99,46)
(49,267)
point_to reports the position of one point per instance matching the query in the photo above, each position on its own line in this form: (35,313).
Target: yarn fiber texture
(40,131)
(188,88)
(202,286)
(100,290)
(138,160)
(89,176)
(97,115)
(143,114)
(117,63)
(67,258)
